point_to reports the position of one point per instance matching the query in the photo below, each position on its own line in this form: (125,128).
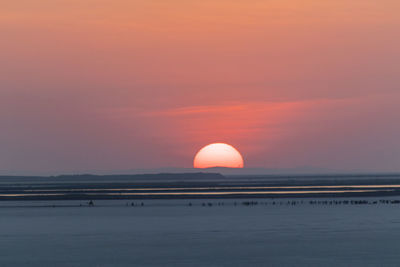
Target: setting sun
(218,155)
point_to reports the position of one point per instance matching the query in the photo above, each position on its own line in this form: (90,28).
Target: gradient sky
(117,85)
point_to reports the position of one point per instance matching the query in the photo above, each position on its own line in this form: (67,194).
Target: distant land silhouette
(224,171)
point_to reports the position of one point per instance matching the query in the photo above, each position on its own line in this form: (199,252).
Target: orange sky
(116,85)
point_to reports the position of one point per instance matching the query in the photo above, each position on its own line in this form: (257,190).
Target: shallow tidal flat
(209,232)
(199,220)
(195,186)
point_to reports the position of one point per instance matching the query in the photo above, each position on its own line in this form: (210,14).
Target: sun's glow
(218,155)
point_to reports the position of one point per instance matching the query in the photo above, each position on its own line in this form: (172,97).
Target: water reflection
(203,193)
(216,188)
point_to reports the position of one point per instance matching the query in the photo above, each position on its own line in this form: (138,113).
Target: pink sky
(117,85)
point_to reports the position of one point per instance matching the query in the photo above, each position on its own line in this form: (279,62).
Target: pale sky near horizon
(116,85)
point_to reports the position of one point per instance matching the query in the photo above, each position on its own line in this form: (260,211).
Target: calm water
(205,191)
(170,233)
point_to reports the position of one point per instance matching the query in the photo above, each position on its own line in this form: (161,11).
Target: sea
(201,232)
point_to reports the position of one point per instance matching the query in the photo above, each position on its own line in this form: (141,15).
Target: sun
(218,155)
